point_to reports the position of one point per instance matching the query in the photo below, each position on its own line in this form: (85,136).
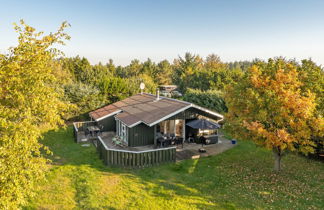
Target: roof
(144,108)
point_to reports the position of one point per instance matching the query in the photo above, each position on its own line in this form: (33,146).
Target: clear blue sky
(124,30)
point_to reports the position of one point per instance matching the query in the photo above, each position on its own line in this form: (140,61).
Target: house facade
(138,119)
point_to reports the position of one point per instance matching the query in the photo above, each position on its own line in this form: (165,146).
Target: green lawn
(239,178)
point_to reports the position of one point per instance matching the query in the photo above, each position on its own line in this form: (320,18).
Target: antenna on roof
(142,86)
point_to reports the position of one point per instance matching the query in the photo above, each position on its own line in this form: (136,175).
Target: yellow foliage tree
(29,106)
(268,107)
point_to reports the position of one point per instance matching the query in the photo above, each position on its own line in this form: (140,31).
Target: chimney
(157,94)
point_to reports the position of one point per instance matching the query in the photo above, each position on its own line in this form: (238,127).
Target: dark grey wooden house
(137,119)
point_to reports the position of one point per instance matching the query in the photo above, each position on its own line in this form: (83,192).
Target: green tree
(218,74)
(186,71)
(134,84)
(29,106)
(82,70)
(312,77)
(85,97)
(149,68)
(163,73)
(115,88)
(211,99)
(134,69)
(111,67)
(268,107)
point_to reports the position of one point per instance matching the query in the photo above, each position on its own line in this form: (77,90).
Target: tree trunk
(277,159)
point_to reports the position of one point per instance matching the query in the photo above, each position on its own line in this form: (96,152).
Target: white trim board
(130,151)
(176,112)
(208,111)
(108,115)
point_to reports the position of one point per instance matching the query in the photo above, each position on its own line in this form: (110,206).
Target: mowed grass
(239,178)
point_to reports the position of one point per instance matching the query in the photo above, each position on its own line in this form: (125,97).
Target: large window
(171,127)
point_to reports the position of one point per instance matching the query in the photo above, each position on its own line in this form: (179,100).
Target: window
(122,130)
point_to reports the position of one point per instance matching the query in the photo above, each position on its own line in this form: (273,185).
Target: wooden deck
(145,156)
(189,151)
(107,138)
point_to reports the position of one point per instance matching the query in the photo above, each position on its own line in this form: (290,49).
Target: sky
(166,29)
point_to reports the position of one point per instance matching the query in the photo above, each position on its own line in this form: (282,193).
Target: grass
(239,178)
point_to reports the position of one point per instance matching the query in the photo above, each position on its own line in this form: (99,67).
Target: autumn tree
(268,107)
(29,106)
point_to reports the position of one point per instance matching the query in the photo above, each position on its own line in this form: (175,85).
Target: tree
(186,71)
(29,106)
(115,88)
(312,77)
(163,73)
(149,67)
(111,67)
(134,84)
(269,107)
(85,97)
(81,69)
(218,74)
(212,99)
(135,68)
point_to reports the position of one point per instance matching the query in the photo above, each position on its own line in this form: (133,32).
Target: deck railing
(80,127)
(135,159)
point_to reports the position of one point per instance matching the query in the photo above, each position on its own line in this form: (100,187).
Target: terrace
(142,156)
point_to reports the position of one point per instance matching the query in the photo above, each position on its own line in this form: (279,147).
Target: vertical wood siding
(135,159)
(140,135)
(109,123)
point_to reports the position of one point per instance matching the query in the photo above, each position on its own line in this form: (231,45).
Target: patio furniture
(160,141)
(93,130)
(203,124)
(202,150)
(179,140)
(211,139)
(202,140)
(190,138)
(167,142)
(172,139)
(101,127)
(117,141)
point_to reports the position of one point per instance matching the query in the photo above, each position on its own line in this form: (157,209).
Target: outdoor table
(93,130)
(164,140)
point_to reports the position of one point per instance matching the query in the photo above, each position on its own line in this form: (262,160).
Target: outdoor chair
(167,142)
(101,127)
(159,135)
(172,138)
(202,140)
(117,142)
(190,138)
(179,140)
(87,133)
(160,141)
